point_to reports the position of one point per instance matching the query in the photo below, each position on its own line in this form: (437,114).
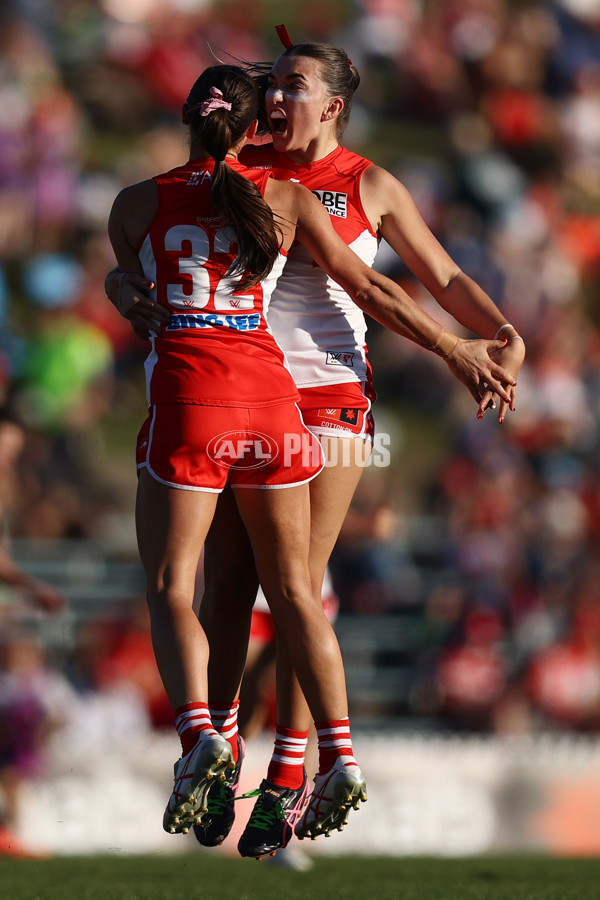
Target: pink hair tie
(208,106)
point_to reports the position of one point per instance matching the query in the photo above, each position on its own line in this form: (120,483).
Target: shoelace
(218,798)
(261,818)
(221,793)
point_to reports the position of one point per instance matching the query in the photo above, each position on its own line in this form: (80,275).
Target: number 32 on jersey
(206,258)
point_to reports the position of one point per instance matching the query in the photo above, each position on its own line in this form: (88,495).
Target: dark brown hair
(237,200)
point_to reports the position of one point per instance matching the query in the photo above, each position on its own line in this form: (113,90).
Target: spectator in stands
(35,700)
(21,584)
(563,679)
(488,112)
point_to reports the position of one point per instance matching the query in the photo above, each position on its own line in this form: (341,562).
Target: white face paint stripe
(276,95)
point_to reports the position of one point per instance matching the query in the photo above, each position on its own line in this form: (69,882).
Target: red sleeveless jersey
(217,348)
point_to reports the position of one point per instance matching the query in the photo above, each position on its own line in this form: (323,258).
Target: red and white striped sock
(225,720)
(286,768)
(191,720)
(334,742)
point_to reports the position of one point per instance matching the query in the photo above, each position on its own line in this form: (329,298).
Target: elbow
(366,296)
(451,279)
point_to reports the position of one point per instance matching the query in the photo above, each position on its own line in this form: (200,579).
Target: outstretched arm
(393,213)
(471,361)
(486,367)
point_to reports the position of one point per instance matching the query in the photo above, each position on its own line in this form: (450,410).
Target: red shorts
(202,448)
(338,410)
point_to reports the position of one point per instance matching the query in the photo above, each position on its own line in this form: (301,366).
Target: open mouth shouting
(278,122)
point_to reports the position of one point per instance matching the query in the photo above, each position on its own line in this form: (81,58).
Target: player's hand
(473,363)
(127,293)
(511,356)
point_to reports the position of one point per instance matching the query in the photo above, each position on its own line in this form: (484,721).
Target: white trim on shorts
(209,490)
(331,431)
(172,484)
(277,487)
(180,487)
(321,431)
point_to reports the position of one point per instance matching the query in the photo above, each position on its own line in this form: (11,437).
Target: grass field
(190,877)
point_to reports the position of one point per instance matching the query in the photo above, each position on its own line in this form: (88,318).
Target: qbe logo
(336,203)
(242,449)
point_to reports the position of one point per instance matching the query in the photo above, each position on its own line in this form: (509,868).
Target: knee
(168,598)
(294,603)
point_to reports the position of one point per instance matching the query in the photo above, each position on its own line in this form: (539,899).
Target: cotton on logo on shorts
(242,449)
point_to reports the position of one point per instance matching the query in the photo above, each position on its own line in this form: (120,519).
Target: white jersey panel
(321,331)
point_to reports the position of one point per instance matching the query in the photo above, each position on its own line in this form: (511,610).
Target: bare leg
(330,495)
(171,528)
(231,582)
(230,586)
(278,523)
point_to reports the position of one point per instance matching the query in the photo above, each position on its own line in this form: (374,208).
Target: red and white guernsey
(217,348)
(320,329)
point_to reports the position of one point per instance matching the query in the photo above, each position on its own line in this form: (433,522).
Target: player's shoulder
(137,191)
(287,193)
(134,197)
(376,179)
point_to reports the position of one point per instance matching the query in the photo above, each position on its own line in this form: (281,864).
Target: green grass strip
(342,878)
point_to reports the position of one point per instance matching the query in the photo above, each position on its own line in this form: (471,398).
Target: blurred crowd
(503,159)
(489,112)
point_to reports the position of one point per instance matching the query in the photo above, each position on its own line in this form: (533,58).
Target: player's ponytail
(221,106)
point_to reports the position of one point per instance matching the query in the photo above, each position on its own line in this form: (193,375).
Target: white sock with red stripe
(286,768)
(334,743)
(191,720)
(225,720)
